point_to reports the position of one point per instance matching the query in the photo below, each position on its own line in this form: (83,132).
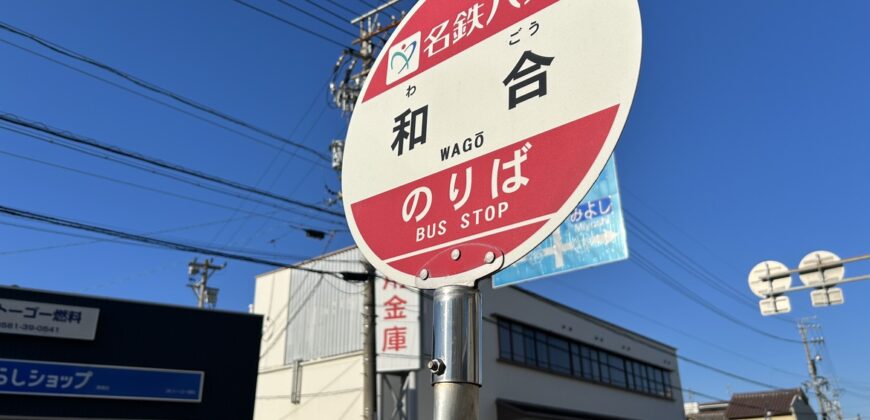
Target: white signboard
(398,327)
(48,320)
(481,127)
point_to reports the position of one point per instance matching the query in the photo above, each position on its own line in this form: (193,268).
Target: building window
(617,371)
(504,342)
(576,361)
(518,344)
(560,356)
(542,350)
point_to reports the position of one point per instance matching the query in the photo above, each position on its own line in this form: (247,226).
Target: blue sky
(746,142)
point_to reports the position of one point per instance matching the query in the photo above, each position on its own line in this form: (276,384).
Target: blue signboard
(593,234)
(96,381)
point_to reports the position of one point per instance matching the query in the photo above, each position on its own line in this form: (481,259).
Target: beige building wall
(271,294)
(331,387)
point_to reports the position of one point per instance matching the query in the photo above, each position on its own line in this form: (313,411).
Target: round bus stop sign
(482,124)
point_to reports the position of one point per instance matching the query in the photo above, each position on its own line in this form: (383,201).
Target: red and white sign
(398,327)
(481,127)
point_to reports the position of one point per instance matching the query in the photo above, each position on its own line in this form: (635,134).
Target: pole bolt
(455,254)
(437,366)
(424,274)
(489,257)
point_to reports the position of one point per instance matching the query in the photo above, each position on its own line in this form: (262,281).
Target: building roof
(706,411)
(758,404)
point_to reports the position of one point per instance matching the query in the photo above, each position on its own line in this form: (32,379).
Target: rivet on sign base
(489,257)
(424,274)
(455,254)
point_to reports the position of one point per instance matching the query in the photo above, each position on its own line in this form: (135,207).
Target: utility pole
(346,90)
(370,369)
(345,93)
(204,294)
(830,409)
(811,364)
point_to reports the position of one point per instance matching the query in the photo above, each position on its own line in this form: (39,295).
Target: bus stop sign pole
(455,366)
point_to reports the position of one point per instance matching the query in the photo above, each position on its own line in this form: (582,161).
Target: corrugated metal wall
(324,316)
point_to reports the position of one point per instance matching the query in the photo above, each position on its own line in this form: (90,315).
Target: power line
(367,4)
(91,239)
(132,277)
(12,119)
(648,266)
(24,214)
(141,167)
(678,257)
(278,177)
(264,224)
(145,188)
(727,373)
(271,186)
(687,234)
(655,240)
(157,89)
(94,240)
(168,175)
(328,11)
(342,7)
(648,235)
(664,247)
(272,163)
(283,168)
(374,6)
(317,18)
(292,24)
(159,102)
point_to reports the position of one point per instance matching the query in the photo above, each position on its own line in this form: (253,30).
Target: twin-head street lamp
(820,271)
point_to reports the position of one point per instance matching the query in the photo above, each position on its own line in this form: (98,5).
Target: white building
(541,359)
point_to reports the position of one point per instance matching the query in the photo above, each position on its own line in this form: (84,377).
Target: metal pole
(369,361)
(456,373)
(831,283)
(810,269)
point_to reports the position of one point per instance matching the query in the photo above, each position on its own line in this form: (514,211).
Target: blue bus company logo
(404,58)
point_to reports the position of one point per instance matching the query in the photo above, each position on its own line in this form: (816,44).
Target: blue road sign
(594,234)
(30,377)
